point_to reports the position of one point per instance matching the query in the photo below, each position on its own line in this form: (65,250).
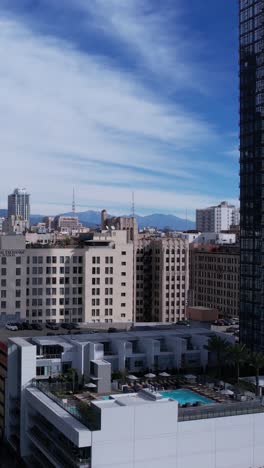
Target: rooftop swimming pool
(183,396)
(186,396)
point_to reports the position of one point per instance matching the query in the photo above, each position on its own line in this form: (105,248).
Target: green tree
(219,348)
(256,360)
(237,356)
(72,376)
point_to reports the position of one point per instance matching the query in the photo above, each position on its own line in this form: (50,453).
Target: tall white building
(217,218)
(19,205)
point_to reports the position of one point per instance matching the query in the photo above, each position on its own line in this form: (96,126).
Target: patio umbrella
(227,392)
(190,377)
(132,377)
(90,385)
(164,374)
(150,376)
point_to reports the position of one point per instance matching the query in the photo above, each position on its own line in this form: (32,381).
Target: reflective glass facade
(252,172)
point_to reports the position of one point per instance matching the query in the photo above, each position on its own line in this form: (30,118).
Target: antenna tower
(73,201)
(133,204)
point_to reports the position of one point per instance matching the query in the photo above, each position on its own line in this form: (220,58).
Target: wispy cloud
(72,117)
(154,33)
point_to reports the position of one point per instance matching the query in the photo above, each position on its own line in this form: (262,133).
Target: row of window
(52,301)
(96,312)
(157,251)
(17,271)
(48,312)
(54,259)
(4,261)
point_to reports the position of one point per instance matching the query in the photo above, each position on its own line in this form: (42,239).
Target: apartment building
(147,429)
(214,278)
(89,281)
(217,218)
(161,279)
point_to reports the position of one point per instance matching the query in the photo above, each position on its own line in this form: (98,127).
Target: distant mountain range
(93,218)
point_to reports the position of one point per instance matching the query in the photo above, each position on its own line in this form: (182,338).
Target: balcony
(54,451)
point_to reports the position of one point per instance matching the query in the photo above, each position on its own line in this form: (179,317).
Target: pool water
(186,396)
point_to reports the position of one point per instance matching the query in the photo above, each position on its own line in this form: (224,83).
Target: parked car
(219,323)
(37,326)
(184,323)
(19,325)
(52,325)
(26,326)
(74,326)
(64,325)
(11,326)
(231,330)
(70,326)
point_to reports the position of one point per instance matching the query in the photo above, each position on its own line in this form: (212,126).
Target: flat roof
(181,332)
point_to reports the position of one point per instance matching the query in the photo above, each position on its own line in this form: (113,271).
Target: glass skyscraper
(19,205)
(251,59)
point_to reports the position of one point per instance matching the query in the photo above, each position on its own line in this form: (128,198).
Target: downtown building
(89,281)
(161,278)
(102,277)
(19,207)
(217,218)
(215,278)
(251,172)
(146,429)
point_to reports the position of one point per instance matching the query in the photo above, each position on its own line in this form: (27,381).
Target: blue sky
(115,96)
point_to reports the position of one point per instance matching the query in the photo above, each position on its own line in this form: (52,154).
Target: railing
(49,356)
(39,438)
(220,410)
(45,433)
(81,411)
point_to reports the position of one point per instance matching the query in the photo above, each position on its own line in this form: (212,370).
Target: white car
(11,326)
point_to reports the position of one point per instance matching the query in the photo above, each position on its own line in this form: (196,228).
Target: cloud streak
(71,117)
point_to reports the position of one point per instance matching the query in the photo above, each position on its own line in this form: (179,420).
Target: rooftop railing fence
(81,411)
(220,410)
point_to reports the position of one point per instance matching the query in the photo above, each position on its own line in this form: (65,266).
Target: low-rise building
(121,223)
(147,429)
(66,224)
(208,238)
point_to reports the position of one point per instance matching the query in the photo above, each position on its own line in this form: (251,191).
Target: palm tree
(219,347)
(237,356)
(256,360)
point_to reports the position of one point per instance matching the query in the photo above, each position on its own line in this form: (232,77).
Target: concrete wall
(141,436)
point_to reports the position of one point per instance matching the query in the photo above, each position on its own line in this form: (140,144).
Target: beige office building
(89,282)
(161,279)
(214,278)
